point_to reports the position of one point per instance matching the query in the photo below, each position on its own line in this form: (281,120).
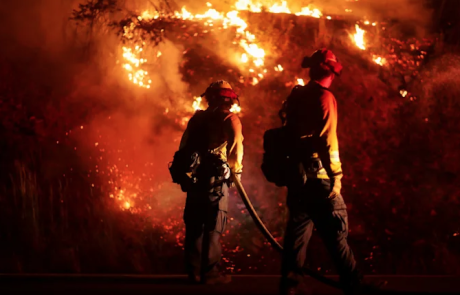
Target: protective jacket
(311,116)
(222,135)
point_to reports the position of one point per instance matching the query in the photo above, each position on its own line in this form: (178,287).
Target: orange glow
(279,8)
(300,82)
(235,108)
(379,60)
(311,12)
(132,66)
(358,38)
(197,103)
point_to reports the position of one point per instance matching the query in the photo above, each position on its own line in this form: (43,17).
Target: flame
(133,62)
(146,15)
(358,37)
(252,54)
(248,5)
(277,8)
(197,103)
(279,68)
(379,60)
(244,58)
(235,108)
(311,12)
(300,82)
(274,7)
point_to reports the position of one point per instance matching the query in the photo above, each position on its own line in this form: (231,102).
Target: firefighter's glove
(336,187)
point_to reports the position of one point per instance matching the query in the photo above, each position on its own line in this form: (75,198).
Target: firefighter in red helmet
(211,147)
(310,118)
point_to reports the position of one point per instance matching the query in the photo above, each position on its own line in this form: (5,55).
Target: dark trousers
(309,207)
(204,224)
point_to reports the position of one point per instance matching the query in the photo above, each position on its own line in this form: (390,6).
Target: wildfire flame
(235,108)
(252,52)
(250,57)
(133,62)
(279,68)
(197,103)
(277,8)
(311,12)
(358,37)
(379,60)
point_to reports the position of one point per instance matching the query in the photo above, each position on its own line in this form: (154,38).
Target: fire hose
(263,229)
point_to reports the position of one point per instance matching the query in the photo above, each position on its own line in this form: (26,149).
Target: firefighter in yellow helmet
(315,200)
(211,147)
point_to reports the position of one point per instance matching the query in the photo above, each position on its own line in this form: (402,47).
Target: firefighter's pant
(204,224)
(309,207)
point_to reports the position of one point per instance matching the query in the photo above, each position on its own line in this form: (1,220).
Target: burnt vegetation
(400,154)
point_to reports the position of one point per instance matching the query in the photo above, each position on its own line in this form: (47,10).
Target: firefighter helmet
(220,92)
(323,57)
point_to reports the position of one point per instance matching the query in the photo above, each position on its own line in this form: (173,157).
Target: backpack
(285,156)
(194,166)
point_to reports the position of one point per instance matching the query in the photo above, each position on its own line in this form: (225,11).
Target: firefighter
(314,199)
(216,135)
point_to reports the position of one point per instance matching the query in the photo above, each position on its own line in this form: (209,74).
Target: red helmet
(323,57)
(220,92)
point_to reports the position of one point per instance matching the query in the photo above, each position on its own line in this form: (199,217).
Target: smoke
(134,129)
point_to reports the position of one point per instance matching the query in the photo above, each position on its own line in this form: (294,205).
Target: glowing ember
(235,108)
(279,68)
(133,62)
(403,92)
(244,58)
(300,82)
(358,37)
(379,60)
(197,103)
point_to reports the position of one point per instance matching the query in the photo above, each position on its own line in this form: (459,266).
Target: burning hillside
(250,55)
(114,120)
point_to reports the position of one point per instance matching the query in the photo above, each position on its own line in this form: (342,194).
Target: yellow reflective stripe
(318,176)
(334,155)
